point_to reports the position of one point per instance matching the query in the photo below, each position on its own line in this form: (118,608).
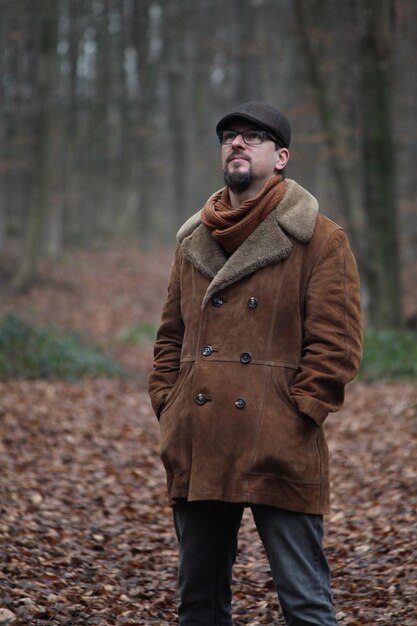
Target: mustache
(236,153)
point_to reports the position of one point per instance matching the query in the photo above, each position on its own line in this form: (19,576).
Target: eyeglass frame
(261,131)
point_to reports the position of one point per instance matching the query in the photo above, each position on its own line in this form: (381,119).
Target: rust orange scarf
(229,226)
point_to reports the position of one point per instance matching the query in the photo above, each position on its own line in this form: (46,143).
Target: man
(259,335)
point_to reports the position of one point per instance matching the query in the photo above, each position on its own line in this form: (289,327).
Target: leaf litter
(86,535)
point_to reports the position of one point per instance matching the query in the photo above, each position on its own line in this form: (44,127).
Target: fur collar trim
(270,242)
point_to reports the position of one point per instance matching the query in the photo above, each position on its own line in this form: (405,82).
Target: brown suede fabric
(289,298)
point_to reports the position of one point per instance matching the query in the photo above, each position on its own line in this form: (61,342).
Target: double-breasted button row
(207,350)
(217,301)
(245,357)
(201,399)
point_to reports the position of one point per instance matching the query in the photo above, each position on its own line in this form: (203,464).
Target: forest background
(108,110)
(107,144)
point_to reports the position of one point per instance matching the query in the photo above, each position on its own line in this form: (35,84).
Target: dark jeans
(207,533)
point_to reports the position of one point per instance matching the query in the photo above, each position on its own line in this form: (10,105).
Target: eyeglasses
(250,137)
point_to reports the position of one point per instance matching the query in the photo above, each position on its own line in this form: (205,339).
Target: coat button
(240,403)
(201,399)
(206,350)
(217,301)
(252,303)
(245,358)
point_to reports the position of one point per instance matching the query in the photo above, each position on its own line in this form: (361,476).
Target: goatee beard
(237,181)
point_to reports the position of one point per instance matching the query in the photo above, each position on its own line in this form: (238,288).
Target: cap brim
(227,119)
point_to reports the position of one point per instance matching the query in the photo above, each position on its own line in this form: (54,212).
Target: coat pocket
(282,379)
(172,423)
(173,394)
(287,444)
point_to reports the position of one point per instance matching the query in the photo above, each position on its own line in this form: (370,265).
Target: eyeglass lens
(251,137)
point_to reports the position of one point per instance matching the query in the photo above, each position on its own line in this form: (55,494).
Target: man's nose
(238,140)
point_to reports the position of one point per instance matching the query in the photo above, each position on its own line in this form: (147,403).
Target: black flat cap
(263,115)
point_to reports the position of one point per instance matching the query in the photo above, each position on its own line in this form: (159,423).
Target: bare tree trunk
(379,166)
(174,46)
(142,168)
(247,55)
(124,226)
(373,230)
(55,227)
(4,145)
(331,125)
(43,132)
(2,224)
(74,201)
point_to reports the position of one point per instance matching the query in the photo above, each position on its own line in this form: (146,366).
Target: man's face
(244,165)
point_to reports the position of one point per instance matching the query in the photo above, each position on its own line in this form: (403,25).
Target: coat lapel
(268,244)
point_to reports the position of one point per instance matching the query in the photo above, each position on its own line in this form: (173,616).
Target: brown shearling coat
(252,354)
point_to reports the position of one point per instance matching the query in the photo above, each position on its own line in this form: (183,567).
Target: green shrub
(389,355)
(138,334)
(29,352)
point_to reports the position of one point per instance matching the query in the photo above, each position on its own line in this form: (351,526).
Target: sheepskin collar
(270,242)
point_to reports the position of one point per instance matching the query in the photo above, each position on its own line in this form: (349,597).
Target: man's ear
(283,156)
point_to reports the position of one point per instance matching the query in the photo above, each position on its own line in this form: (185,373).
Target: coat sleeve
(167,350)
(332,339)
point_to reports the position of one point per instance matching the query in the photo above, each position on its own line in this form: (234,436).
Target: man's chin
(238,180)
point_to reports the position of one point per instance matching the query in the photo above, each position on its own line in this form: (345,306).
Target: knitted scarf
(229,226)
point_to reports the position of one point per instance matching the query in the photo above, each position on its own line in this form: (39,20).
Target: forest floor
(86,536)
